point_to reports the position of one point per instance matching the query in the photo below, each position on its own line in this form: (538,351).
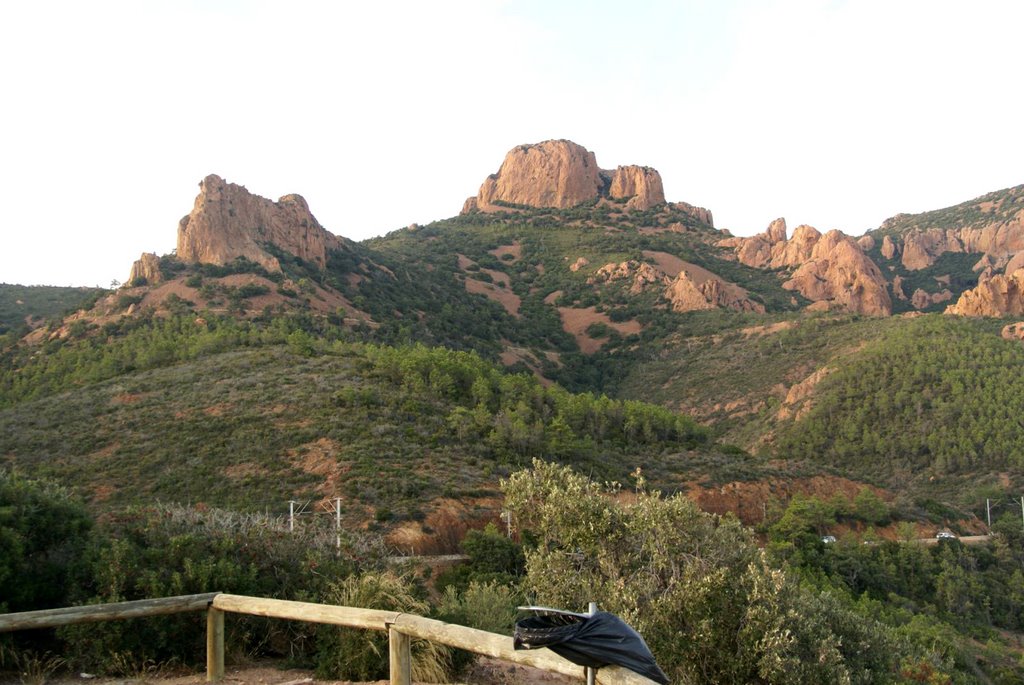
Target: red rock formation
(555,173)
(1000,295)
(699,213)
(561,174)
(922,248)
(777,232)
(922,299)
(699,291)
(832,270)
(888,247)
(840,274)
(641,273)
(1013,331)
(1015,262)
(641,184)
(771,250)
(146,269)
(687,287)
(228,222)
(897,288)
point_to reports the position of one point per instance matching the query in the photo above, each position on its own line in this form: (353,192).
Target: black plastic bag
(597,640)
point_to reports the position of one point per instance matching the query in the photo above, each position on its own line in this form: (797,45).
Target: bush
(489,606)
(41,532)
(362,655)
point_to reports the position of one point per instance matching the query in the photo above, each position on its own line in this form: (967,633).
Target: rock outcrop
(641,185)
(897,288)
(999,295)
(1013,331)
(990,227)
(921,299)
(922,248)
(145,270)
(830,269)
(839,273)
(699,213)
(888,247)
(1014,263)
(641,273)
(687,287)
(228,222)
(562,174)
(771,249)
(699,291)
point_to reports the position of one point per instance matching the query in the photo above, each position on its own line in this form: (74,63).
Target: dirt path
(485,672)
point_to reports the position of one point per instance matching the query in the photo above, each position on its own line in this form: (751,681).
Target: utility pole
(988,513)
(291,515)
(1022,510)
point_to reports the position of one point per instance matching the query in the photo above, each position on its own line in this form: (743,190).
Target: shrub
(489,606)
(362,655)
(41,533)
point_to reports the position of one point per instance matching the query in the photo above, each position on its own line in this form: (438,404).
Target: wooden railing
(400,628)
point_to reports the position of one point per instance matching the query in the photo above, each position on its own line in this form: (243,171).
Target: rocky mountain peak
(228,222)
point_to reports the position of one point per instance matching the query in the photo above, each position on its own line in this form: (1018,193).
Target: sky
(832,113)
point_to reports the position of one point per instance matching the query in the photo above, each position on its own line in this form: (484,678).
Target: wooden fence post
(400,652)
(214,645)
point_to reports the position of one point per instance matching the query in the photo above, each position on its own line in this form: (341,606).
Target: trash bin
(592,640)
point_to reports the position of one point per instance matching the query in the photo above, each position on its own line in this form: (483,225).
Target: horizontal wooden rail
(372,619)
(51,618)
(462,637)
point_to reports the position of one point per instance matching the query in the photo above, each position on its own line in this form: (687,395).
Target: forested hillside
(285,414)
(930,398)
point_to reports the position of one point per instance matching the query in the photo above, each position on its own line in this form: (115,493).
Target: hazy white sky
(833,113)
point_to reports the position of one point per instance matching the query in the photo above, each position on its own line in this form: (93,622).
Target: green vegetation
(930,397)
(41,529)
(38,303)
(403,424)
(361,655)
(995,207)
(715,609)
(548,242)
(54,554)
(96,354)
(731,371)
(963,602)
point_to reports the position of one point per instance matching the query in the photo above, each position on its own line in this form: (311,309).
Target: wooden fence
(400,628)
